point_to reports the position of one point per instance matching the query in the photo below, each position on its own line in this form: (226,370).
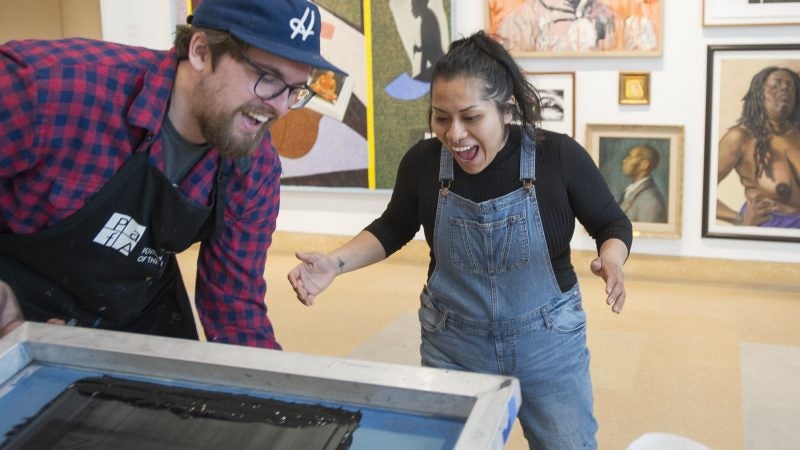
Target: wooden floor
(716,364)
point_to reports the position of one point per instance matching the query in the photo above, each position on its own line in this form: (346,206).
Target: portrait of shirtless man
(764,150)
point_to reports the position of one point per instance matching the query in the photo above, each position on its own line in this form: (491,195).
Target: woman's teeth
(466,153)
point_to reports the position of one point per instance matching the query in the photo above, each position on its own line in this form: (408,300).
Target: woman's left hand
(608,266)
(615,286)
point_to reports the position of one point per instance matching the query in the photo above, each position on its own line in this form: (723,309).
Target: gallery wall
(678,97)
(49,19)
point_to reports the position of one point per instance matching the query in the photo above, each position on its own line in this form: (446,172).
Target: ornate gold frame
(634,88)
(609,144)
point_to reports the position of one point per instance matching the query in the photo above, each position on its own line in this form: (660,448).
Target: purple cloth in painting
(778,220)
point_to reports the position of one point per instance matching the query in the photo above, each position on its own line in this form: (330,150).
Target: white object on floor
(770,395)
(397,343)
(665,441)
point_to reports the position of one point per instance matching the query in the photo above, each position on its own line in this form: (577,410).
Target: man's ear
(199,53)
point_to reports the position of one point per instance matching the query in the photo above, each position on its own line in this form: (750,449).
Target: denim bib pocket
(491,247)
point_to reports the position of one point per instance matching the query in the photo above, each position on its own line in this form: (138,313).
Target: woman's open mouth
(466,153)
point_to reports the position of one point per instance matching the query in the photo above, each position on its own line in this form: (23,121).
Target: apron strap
(223,176)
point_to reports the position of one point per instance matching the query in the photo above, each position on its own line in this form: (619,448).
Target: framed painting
(634,88)
(333,92)
(557,93)
(326,144)
(750,12)
(553,28)
(418,33)
(643,166)
(751,183)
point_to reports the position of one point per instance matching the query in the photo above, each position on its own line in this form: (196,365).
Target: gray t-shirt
(179,154)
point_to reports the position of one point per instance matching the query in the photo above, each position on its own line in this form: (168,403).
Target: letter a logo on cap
(299,25)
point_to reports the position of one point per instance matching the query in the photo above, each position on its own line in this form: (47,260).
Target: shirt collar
(150,105)
(632,187)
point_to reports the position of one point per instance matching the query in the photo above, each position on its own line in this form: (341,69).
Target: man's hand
(10,314)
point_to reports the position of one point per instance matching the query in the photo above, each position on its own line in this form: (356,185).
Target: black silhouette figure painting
(430,37)
(424,32)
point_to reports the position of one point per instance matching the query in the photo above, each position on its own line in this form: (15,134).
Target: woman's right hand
(312,276)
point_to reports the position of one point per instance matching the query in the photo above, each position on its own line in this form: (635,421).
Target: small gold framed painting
(634,88)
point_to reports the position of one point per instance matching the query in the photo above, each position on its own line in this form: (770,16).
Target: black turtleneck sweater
(568,186)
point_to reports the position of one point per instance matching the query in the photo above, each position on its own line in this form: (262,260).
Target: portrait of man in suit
(641,200)
(642,166)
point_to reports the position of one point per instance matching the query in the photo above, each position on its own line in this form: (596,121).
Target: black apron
(111,264)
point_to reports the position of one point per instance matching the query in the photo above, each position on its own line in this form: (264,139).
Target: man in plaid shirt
(114,158)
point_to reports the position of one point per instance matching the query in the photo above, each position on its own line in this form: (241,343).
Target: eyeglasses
(269,86)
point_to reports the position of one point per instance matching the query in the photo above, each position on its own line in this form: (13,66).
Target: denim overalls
(493,305)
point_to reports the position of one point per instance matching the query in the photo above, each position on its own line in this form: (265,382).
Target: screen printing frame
(487,403)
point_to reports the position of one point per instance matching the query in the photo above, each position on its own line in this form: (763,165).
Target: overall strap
(445,170)
(527,166)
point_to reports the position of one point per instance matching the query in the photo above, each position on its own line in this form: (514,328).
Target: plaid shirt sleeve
(64,128)
(17,115)
(230,290)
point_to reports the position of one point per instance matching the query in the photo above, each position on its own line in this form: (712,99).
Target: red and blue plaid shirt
(73,111)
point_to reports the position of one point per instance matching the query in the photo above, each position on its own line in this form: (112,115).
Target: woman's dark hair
(754,115)
(219,43)
(481,57)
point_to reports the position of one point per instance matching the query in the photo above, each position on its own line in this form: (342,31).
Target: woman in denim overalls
(498,203)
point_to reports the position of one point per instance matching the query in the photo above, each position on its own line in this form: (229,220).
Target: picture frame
(735,99)
(718,13)
(654,203)
(557,94)
(634,88)
(333,99)
(537,28)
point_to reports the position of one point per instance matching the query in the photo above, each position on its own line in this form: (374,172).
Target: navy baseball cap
(287,28)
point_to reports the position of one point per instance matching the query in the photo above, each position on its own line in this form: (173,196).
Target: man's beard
(218,132)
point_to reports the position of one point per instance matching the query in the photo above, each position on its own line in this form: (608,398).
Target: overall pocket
(431,318)
(566,316)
